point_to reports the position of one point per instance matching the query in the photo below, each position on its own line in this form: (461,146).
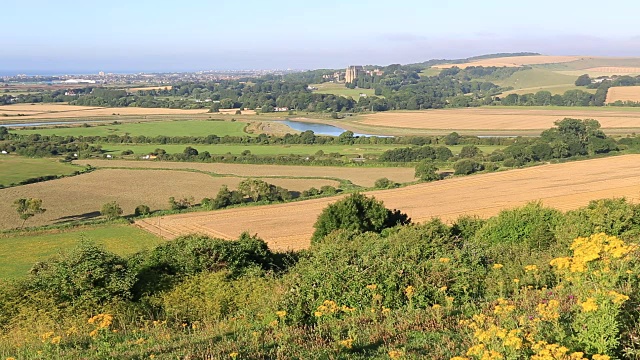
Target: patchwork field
(149,88)
(81,197)
(19,252)
(623,93)
(563,186)
(363,176)
(15,169)
(155,128)
(534,80)
(501,119)
(514,61)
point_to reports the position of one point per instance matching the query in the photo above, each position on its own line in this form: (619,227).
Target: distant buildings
(352,73)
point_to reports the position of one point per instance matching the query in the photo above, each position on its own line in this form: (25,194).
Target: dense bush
(357,213)
(467,167)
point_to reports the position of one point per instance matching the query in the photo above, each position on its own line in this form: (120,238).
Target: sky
(76,36)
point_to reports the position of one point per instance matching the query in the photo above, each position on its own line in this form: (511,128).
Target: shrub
(111,210)
(357,213)
(384,183)
(469,151)
(142,210)
(467,167)
(86,274)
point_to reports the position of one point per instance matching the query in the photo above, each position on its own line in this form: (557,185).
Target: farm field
(62,111)
(18,252)
(534,80)
(81,197)
(514,61)
(500,120)
(155,128)
(623,93)
(149,88)
(563,186)
(362,176)
(341,90)
(15,169)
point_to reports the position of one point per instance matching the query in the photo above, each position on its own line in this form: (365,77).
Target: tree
(469,151)
(189,151)
(142,210)
(452,139)
(254,188)
(426,170)
(28,208)
(111,210)
(583,80)
(357,213)
(467,166)
(384,183)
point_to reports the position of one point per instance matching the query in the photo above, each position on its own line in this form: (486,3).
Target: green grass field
(168,128)
(14,169)
(18,253)
(534,80)
(430,72)
(271,149)
(341,90)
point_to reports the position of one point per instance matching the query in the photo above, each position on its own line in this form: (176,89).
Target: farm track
(562,186)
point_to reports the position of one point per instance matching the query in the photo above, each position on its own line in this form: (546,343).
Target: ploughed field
(289,226)
(61,111)
(500,119)
(362,176)
(81,197)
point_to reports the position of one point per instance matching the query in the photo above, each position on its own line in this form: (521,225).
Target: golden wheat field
(614,70)
(362,176)
(514,61)
(82,196)
(59,111)
(563,186)
(498,118)
(623,93)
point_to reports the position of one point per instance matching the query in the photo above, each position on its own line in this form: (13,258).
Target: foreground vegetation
(529,283)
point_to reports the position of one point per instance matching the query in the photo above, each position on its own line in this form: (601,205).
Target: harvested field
(623,93)
(49,111)
(515,61)
(233,112)
(614,70)
(81,197)
(363,176)
(499,118)
(563,186)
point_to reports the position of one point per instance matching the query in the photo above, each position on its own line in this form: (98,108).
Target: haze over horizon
(161,36)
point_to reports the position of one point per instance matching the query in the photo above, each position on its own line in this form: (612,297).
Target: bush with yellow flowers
(583,316)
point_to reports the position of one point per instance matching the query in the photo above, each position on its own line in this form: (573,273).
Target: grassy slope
(533,80)
(15,169)
(341,90)
(169,128)
(18,253)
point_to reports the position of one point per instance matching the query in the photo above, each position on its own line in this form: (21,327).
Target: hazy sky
(159,35)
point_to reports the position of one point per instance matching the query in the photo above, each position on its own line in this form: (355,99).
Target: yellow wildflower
(372,286)
(140,341)
(385,310)
(317,313)
(152,356)
(443,288)
(618,298)
(409,291)
(281,314)
(347,344)
(395,354)
(274,323)
(516,281)
(577,356)
(233,355)
(56,340)
(529,268)
(47,335)
(549,311)
(444,260)
(476,350)
(93,333)
(459,358)
(589,305)
(436,306)
(450,299)
(498,266)
(11,358)
(561,263)
(601,357)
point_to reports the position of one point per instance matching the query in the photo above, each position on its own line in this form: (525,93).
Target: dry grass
(623,93)
(515,61)
(362,176)
(82,196)
(233,112)
(57,111)
(563,186)
(497,118)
